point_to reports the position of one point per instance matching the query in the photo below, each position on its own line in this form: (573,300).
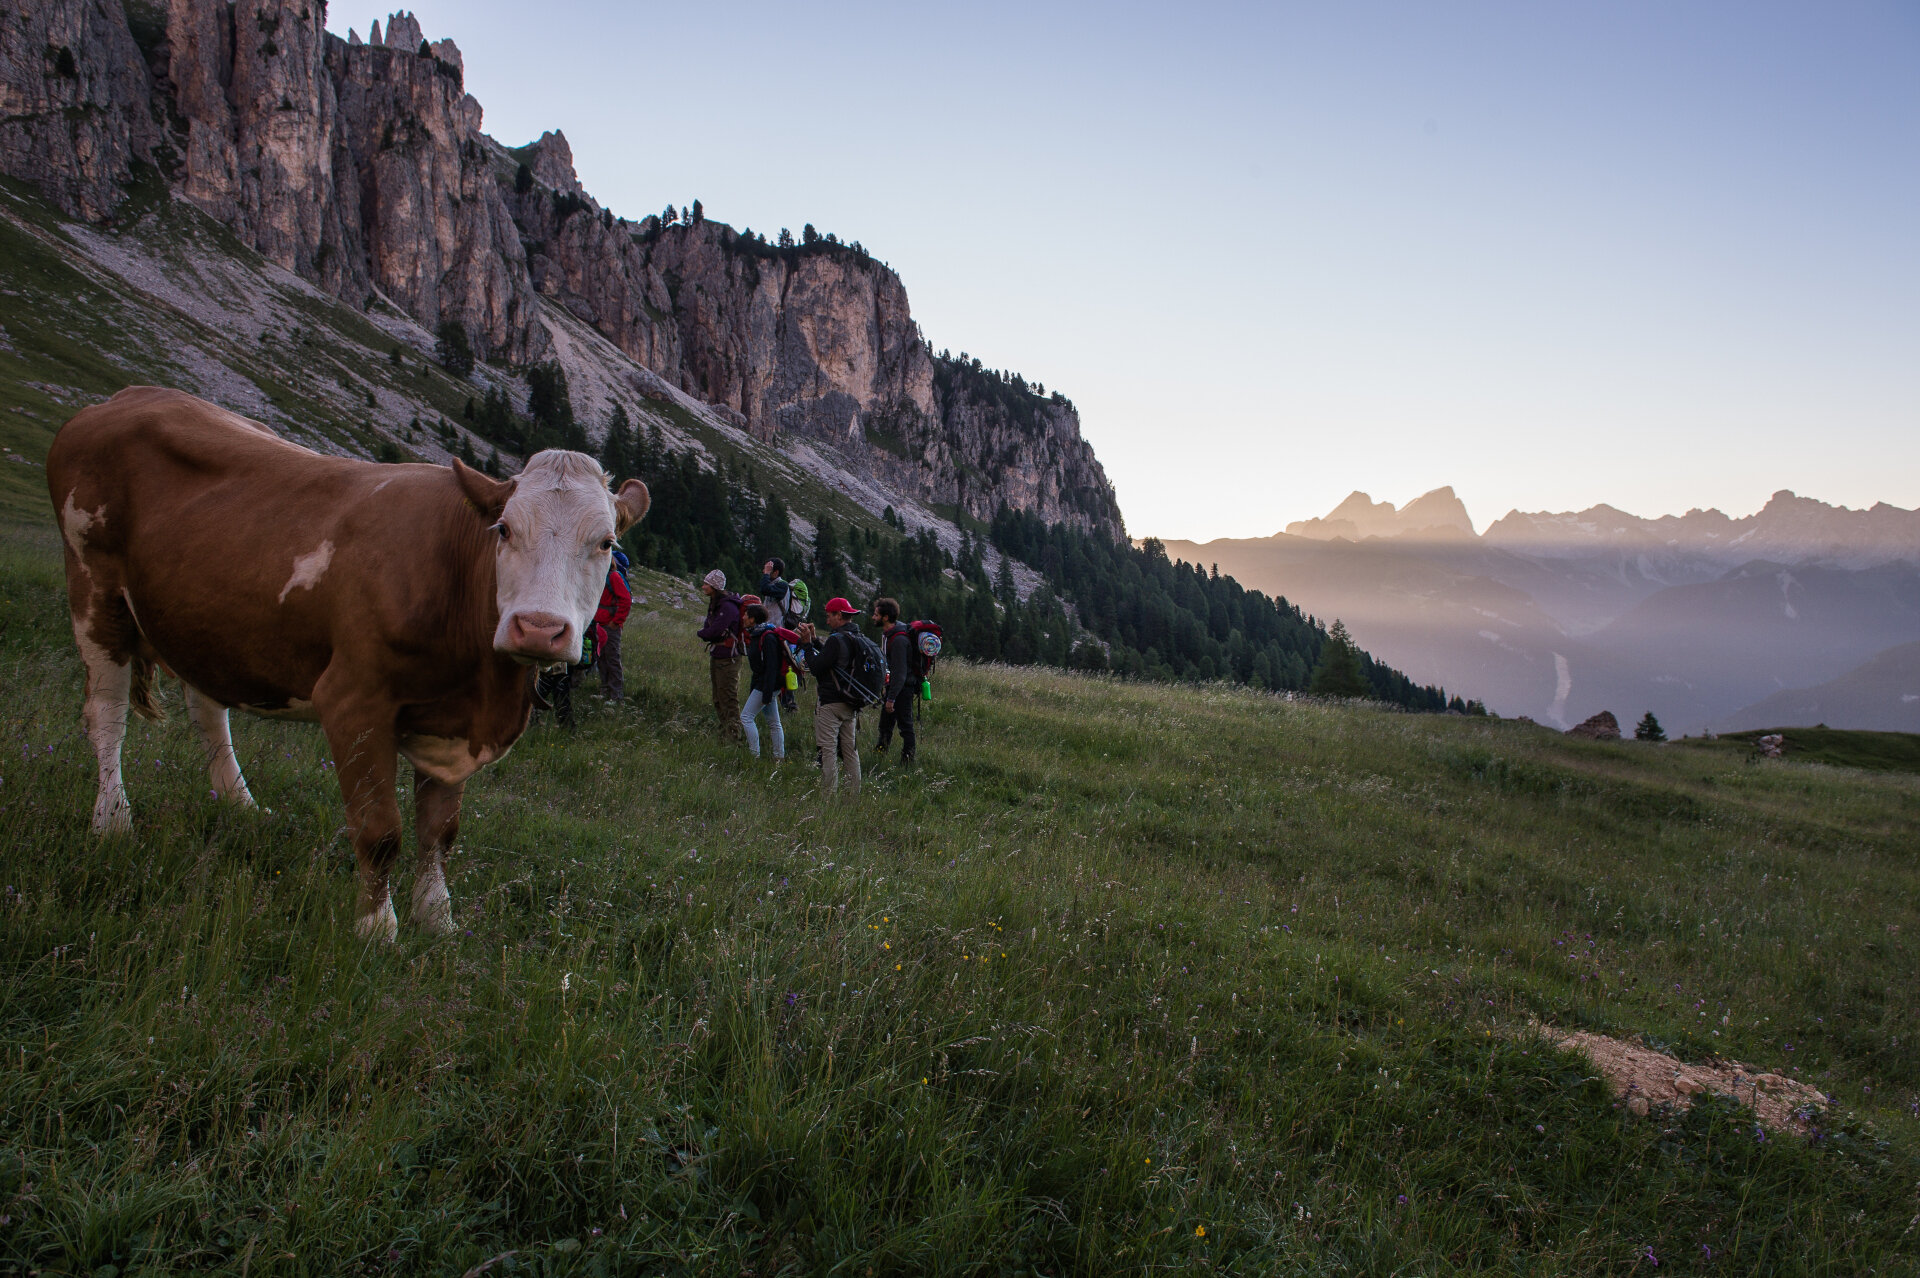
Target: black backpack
(863,676)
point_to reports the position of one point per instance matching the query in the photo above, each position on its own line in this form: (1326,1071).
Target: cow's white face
(553,544)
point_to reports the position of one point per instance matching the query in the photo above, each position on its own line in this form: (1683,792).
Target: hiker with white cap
(726,645)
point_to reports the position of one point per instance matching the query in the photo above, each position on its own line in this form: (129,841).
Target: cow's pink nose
(539,634)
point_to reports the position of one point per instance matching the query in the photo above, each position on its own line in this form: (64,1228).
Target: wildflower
(1199,1231)
(566,982)
(1402,1200)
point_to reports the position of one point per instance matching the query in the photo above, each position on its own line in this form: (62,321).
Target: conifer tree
(1649,729)
(453,349)
(1338,673)
(617,451)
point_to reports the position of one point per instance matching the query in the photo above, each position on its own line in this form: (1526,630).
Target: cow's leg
(216,740)
(436,819)
(109,688)
(109,643)
(364,757)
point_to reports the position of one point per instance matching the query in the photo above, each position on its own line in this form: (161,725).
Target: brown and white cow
(400,607)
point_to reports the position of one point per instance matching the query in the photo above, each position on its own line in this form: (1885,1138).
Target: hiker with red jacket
(609,619)
(726,645)
(896,706)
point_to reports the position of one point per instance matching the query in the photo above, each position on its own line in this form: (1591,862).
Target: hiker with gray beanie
(725,638)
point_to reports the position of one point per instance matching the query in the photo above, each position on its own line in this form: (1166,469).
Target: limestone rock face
(819,341)
(585,258)
(1004,444)
(809,340)
(286,122)
(438,237)
(361,166)
(75,110)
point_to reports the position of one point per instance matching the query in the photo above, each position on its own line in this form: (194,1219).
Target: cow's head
(553,526)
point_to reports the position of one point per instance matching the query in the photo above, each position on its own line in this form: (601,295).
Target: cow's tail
(145,697)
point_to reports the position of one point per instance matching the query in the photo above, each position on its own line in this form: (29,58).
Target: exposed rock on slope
(74,102)
(1601,727)
(360,166)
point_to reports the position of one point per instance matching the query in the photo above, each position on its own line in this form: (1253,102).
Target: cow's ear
(630,503)
(488,495)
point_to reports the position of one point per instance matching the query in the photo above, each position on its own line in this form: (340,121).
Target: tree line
(1168,619)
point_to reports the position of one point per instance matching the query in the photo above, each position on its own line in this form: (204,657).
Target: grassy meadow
(1121,978)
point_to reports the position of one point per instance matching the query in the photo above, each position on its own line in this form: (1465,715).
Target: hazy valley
(1558,616)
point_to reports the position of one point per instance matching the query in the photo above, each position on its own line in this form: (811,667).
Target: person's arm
(823,658)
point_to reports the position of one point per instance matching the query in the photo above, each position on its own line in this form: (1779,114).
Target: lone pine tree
(1338,673)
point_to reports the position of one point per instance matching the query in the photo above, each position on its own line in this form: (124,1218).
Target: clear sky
(1659,255)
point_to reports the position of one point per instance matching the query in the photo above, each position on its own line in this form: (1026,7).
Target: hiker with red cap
(726,642)
(850,674)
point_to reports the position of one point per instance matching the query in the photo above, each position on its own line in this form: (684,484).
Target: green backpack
(799,599)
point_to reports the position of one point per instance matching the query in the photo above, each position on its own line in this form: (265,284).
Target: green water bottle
(926,690)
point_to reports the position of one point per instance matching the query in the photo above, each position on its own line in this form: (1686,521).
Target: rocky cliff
(361,166)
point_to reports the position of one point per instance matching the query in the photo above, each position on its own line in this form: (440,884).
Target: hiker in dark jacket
(721,634)
(767,662)
(616,602)
(896,706)
(836,722)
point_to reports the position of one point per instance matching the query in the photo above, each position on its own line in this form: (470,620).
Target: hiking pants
(557,688)
(836,730)
(899,713)
(726,695)
(613,684)
(758,704)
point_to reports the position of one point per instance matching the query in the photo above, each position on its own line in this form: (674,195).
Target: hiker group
(768,633)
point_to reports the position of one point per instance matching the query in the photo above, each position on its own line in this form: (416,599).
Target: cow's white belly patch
(445,759)
(308,569)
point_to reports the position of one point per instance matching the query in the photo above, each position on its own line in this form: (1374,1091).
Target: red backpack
(926,646)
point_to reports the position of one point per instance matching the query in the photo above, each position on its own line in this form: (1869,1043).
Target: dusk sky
(1654,255)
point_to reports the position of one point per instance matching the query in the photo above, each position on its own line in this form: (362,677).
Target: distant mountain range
(1702,618)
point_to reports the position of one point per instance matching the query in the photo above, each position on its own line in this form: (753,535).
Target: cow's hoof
(432,906)
(380,924)
(112,814)
(436,919)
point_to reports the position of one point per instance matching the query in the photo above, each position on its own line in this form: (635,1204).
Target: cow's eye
(502,529)
(606,545)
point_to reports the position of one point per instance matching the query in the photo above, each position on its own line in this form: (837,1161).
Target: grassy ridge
(1124,976)
(1842,748)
